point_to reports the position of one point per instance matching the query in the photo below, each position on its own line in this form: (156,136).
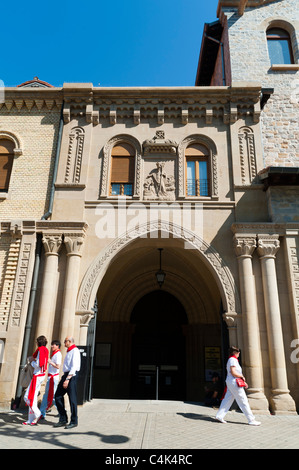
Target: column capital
(230,319)
(74,243)
(244,245)
(268,245)
(52,243)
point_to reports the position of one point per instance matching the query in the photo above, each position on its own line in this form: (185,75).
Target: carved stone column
(281,401)
(244,247)
(73,243)
(52,244)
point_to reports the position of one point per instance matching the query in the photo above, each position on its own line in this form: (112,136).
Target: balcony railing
(121,189)
(197,187)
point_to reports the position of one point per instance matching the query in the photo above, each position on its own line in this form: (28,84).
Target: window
(123,169)
(6,162)
(197,177)
(279,46)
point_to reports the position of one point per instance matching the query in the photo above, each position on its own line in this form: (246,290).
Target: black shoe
(71,425)
(60,424)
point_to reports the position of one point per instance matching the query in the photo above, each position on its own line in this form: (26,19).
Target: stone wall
(250,61)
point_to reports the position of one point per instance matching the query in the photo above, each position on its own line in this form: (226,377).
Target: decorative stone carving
(13,244)
(244,246)
(247,154)
(74,243)
(74,156)
(159,185)
(52,243)
(268,246)
(159,145)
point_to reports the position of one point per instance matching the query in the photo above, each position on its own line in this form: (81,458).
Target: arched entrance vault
(206,253)
(139,328)
(177,285)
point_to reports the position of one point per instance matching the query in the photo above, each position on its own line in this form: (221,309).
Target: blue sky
(111,43)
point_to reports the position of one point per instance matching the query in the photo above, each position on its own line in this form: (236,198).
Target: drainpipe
(222,57)
(35,275)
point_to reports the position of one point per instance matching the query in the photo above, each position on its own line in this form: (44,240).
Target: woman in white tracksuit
(233,392)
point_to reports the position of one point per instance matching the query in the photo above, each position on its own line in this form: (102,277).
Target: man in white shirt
(68,384)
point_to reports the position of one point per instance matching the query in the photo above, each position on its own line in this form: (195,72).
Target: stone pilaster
(244,248)
(74,244)
(280,400)
(46,312)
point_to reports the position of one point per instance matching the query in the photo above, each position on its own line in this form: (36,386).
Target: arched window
(279,46)
(197,170)
(122,170)
(6,161)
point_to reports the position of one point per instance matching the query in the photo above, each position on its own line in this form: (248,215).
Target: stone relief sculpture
(159,185)
(159,180)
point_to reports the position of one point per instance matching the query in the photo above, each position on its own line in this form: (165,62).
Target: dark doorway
(158,348)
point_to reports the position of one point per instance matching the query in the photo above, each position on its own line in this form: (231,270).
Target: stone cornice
(47,227)
(136,103)
(269,228)
(180,103)
(32,99)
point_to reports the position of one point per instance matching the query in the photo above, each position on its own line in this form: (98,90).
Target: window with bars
(197,170)
(279,46)
(122,170)
(6,162)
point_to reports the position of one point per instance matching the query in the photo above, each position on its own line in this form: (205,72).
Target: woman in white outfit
(234,392)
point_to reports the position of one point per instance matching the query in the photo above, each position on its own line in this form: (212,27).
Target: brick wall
(31,174)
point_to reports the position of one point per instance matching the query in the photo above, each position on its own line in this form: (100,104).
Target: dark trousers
(71,390)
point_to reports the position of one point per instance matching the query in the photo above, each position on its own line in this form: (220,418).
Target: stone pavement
(127,425)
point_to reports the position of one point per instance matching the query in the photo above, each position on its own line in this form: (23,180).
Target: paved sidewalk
(122,424)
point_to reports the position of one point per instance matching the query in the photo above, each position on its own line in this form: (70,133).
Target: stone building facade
(194,184)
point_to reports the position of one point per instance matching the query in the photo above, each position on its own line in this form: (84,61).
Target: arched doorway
(158,366)
(125,272)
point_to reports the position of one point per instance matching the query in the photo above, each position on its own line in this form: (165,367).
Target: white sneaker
(221,420)
(254,423)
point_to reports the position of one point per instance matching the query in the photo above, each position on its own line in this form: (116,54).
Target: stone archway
(118,282)
(210,257)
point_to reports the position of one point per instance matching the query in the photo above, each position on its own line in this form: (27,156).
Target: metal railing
(197,187)
(122,189)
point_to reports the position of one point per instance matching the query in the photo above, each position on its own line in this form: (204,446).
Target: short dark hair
(57,342)
(233,350)
(42,341)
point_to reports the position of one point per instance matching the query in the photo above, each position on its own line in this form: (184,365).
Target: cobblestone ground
(109,425)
